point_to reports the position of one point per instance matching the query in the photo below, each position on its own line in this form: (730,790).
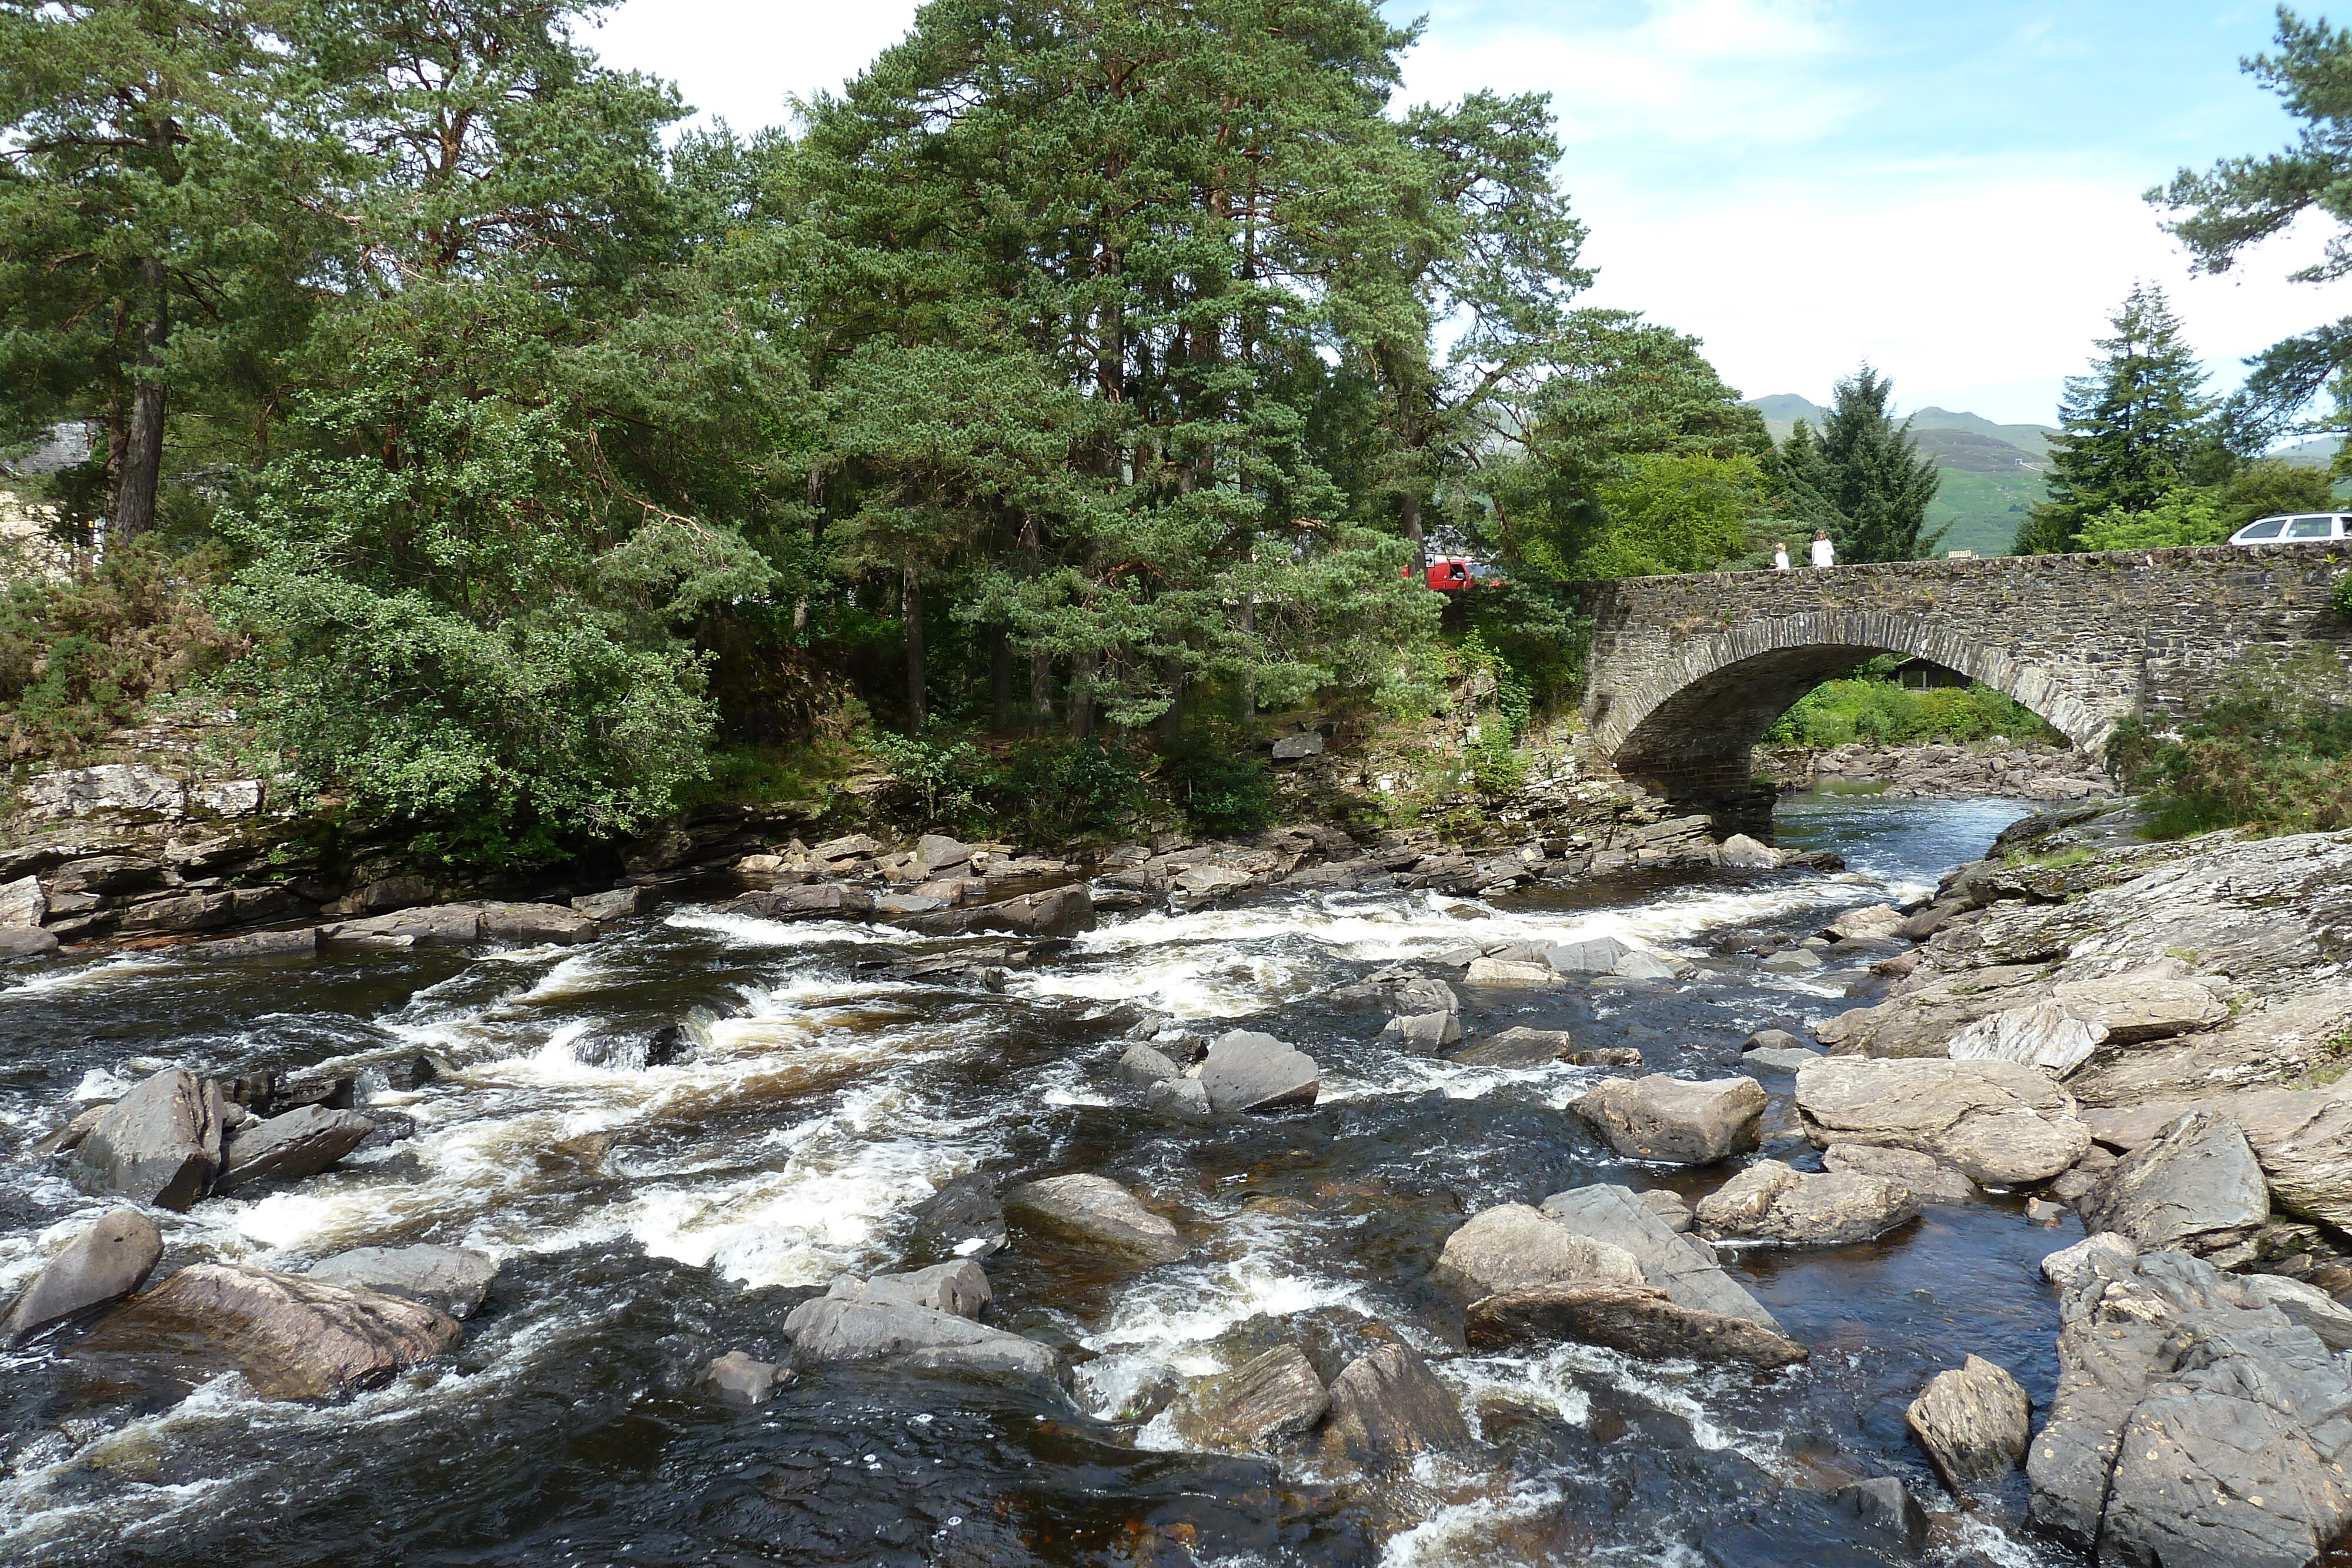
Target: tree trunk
(1082,696)
(1248,690)
(1409,507)
(910,606)
(1000,678)
(142,452)
(1041,663)
(1171,722)
(816,534)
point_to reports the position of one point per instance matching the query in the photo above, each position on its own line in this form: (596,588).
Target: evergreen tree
(2134,429)
(1863,479)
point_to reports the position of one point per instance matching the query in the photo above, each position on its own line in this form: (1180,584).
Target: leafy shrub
(941,769)
(1223,785)
(1060,790)
(2340,596)
(2273,752)
(1882,712)
(2186,516)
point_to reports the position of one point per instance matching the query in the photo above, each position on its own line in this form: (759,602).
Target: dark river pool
(648,1219)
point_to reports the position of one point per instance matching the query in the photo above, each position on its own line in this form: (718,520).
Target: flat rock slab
(300,1143)
(1517,1047)
(1273,1396)
(1974,1423)
(2042,1034)
(452,1280)
(830,1328)
(2144,1005)
(293,1338)
(1387,1406)
(1778,1061)
(1644,1225)
(2302,1137)
(2197,1186)
(1097,1210)
(1999,1122)
(1245,1071)
(1929,1177)
(106,1263)
(1673,1120)
(1513,1245)
(1181,1098)
(1633,1319)
(1594,956)
(1770,1201)
(960,1288)
(1502,974)
(160,1143)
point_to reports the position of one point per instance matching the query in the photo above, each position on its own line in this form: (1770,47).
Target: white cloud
(743,63)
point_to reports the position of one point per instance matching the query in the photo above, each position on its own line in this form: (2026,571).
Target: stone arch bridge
(1688,673)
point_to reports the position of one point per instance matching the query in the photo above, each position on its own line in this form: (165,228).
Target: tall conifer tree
(1863,479)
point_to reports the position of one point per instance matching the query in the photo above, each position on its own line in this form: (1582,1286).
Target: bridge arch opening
(1687,729)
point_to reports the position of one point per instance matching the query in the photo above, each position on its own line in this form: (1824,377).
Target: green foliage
(944,771)
(82,657)
(2266,488)
(1863,479)
(1879,712)
(2339,596)
(2186,516)
(1671,513)
(2273,752)
(1223,785)
(1059,791)
(2135,430)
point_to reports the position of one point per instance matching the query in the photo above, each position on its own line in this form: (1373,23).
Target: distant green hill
(1992,473)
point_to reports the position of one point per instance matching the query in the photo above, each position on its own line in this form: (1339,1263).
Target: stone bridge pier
(1686,673)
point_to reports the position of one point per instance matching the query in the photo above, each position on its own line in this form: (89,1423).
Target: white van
(2303,528)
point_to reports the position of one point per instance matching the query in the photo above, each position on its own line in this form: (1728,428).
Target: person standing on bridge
(1824,552)
(1779,555)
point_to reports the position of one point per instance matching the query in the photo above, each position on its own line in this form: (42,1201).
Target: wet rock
(1182,1098)
(959,1288)
(106,1263)
(1095,1210)
(291,1146)
(1640,965)
(160,1143)
(817,901)
(963,1219)
(1387,1406)
(1974,1423)
(439,925)
(2180,1401)
(618,904)
(742,1379)
(1417,994)
(1777,1060)
(1143,1066)
(1606,1056)
(533,924)
(1774,1202)
(1059,912)
(1205,882)
(1634,1319)
(69,1137)
(1501,974)
(2044,1034)
(1872,920)
(1930,1179)
(1273,1396)
(1642,1224)
(26,942)
(1999,1122)
(1740,853)
(1513,1245)
(1594,956)
(2069,1264)
(1791,961)
(296,944)
(451,1280)
(1775,1040)
(293,1338)
(1423,1032)
(2198,1187)
(1245,1071)
(831,1328)
(1675,1120)
(1886,1506)
(1517,1047)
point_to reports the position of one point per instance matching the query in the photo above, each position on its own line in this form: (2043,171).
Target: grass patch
(2272,752)
(1879,712)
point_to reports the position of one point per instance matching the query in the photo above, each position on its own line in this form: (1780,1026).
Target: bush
(1884,713)
(2273,752)
(1223,785)
(2340,596)
(1061,789)
(938,770)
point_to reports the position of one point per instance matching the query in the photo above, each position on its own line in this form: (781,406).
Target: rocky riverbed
(1639,1199)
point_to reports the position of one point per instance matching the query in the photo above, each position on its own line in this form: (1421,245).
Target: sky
(1951,192)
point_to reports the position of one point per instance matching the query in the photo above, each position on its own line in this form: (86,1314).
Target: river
(648,1219)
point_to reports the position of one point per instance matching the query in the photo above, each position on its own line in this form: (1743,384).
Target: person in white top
(1781,555)
(1824,552)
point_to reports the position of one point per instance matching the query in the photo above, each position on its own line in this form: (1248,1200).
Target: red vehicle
(1452,573)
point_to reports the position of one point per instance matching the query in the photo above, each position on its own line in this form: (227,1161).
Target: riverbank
(2032,771)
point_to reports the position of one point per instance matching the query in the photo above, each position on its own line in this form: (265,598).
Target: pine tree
(2136,427)
(1863,479)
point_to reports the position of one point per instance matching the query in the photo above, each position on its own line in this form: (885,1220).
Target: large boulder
(1930,1179)
(537,923)
(1517,1047)
(836,1328)
(1417,994)
(1973,1422)
(2040,1034)
(1675,1120)
(960,1288)
(1513,1245)
(1142,1066)
(2152,1002)
(1057,912)
(1273,1396)
(1770,1201)
(1423,1032)
(160,1143)
(2197,1186)
(2193,1423)
(741,1378)
(106,1263)
(452,1280)
(1245,1071)
(1504,974)
(1593,955)
(293,1338)
(1685,1269)
(1740,853)
(1633,1319)
(1387,1406)
(303,1142)
(2302,1138)
(1999,1122)
(1872,920)
(1099,1211)
(964,1219)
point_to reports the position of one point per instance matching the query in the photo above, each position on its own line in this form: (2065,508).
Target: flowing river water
(649,1218)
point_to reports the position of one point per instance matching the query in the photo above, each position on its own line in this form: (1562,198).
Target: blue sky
(1951,190)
